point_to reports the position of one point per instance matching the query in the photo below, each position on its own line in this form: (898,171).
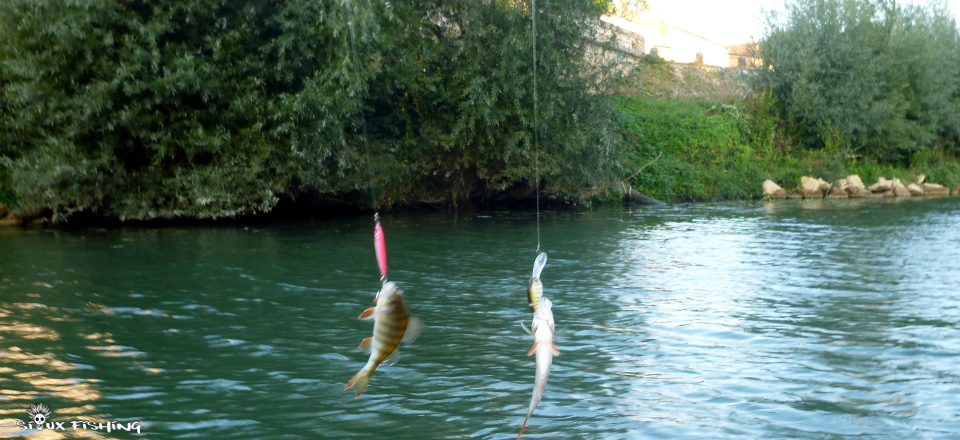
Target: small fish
(392,324)
(535,287)
(542,330)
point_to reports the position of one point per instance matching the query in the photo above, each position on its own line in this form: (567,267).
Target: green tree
(143,109)
(204,109)
(464,102)
(865,77)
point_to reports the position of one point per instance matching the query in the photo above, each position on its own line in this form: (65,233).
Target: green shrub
(938,165)
(705,155)
(864,78)
(191,108)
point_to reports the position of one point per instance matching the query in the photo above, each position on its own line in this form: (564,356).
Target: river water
(781,320)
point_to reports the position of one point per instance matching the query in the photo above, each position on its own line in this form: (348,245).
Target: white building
(669,41)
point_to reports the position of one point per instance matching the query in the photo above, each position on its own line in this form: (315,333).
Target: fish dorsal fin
(539,263)
(414,328)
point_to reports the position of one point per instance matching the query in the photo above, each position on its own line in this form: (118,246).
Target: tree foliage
(867,78)
(194,108)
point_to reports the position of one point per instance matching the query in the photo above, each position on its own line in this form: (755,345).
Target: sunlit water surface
(786,320)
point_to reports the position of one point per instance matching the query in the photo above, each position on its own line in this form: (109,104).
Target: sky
(732,21)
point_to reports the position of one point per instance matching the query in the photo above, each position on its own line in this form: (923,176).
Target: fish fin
(359,380)
(414,328)
(368,314)
(392,359)
(365,344)
(524,426)
(556,351)
(539,263)
(532,349)
(525,328)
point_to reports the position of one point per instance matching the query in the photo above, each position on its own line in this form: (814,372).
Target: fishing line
(536,139)
(363,114)
(379,242)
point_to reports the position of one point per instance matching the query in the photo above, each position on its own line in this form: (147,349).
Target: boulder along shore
(853,187)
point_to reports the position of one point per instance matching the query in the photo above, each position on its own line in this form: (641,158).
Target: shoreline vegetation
(188,111)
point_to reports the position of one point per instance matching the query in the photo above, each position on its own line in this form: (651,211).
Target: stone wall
(616,44)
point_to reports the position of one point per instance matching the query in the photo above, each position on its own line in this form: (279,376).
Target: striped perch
(392,325)
(535,287)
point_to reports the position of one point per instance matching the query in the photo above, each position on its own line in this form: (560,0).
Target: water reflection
(33,361)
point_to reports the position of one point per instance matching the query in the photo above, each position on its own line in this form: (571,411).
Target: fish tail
(360,380)
(524,426)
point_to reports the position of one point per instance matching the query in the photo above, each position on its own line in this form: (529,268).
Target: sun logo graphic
(39,414)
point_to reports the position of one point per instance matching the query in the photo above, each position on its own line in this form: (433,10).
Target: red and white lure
(380,245)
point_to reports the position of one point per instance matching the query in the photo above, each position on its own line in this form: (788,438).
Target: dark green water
(786,320)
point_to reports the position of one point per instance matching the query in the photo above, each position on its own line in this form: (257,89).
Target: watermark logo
(40,420)
(39,414)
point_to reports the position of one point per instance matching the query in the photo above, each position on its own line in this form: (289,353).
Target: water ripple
(788,320)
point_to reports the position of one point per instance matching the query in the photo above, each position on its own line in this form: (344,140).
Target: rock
(837,194)
(838,190)
(934,189)
(859,192)
(813,188)
(921,178)
(773,191)
(899,190)
(883,185)
(794,195)
(854,180)
(915,190)
(855,187)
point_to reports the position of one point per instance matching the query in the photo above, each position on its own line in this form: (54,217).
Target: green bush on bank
(713,151)
(869,78)
(705,154)
(197,109)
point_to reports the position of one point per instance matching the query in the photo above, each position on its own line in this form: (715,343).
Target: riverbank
(690,134)
(723,144)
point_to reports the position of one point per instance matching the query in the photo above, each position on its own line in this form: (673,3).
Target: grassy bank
(716,143)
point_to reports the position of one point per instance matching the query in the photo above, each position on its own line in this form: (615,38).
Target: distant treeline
(205,109)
